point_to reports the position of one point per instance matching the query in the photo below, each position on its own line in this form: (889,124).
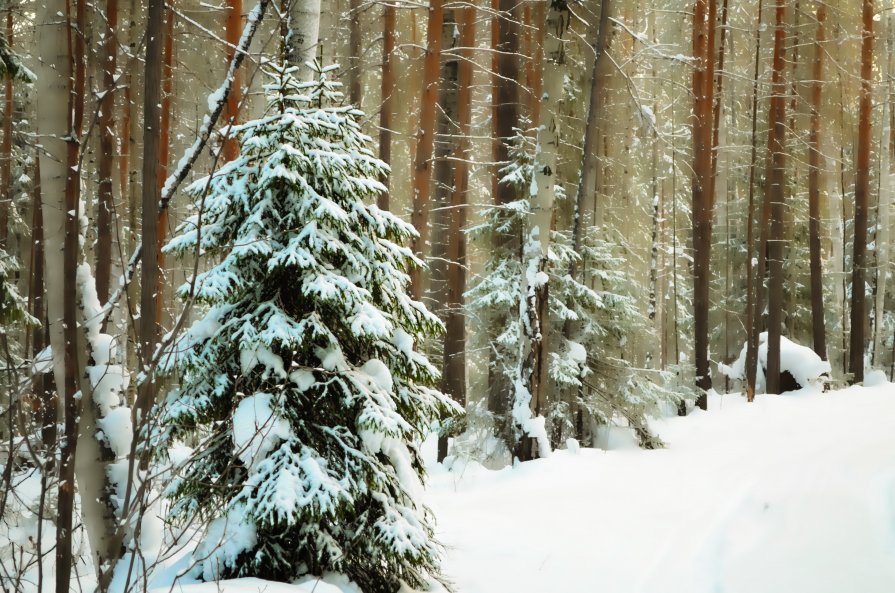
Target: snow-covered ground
(790,494)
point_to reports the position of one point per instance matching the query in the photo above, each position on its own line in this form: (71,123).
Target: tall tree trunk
(505,39)
(105,193)
(587,179)
(60,110)
(455,321)
(817,296)
(304,33)
(862,190)
(164,145)
(355,63)
(703,186)
(422,166)
(388,92)
(6,148)
(535,287)
(152,120)
(49,404)
(233,31)
(456,111)
(887,163)
(753,288)
(588,172)
(776,191)
(536,34)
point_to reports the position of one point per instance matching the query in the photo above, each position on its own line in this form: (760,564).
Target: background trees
(652,251)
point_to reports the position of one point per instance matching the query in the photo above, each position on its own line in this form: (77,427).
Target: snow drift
(805,366)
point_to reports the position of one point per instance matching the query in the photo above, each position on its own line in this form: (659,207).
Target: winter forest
(473,296)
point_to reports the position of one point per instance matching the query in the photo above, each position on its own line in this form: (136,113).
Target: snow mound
(252,585)
(875,378)
(805,366)
(782,495)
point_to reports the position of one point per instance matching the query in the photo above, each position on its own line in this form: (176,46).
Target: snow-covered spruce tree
(301,382)
(590,382)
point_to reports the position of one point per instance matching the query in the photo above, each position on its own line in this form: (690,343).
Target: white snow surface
(792,493)
(328,584)
(802,362)
(789,494)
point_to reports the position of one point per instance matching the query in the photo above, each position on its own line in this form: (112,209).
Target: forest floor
(790,494)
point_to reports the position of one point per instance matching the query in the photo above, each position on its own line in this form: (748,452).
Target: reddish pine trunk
(703,186)
(233,31)
(817,297)
(422,168)
(862,190)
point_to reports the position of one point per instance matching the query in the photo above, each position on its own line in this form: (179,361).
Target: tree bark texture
(422,162)
(105,193)
(233,31)
(862,190)
(505,39)
(814,156)
(304,34)
(388,92)
(753,288)
(152,120)
(776,192)
(703,186)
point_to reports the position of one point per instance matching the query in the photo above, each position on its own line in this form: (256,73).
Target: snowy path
(790,494)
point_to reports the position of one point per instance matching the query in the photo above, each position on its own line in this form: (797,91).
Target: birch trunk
(304,34)
(534,312)
(54,120)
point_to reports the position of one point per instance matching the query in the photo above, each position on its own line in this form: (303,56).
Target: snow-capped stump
(800,366)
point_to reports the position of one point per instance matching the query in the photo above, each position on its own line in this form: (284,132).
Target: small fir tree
(590,320)
(301,382)
(13,307)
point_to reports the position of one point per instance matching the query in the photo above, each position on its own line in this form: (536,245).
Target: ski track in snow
(790,494)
